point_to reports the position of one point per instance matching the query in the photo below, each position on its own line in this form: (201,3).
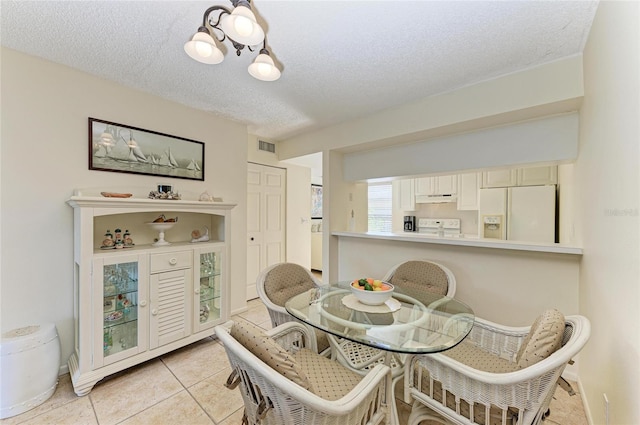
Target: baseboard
(64,369)
(570,374)
(587,410)
(238,311)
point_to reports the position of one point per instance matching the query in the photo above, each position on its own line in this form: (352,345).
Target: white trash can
(29,369)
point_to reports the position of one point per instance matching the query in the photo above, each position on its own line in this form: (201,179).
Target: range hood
(436,199)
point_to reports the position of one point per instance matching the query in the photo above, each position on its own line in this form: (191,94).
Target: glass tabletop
(406,323)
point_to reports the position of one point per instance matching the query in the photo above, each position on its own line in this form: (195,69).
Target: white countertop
(465,241)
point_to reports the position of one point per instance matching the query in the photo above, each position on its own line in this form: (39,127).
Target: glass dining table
(407,323)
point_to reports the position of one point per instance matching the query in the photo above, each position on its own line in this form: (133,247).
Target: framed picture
(125,149)
(316,201)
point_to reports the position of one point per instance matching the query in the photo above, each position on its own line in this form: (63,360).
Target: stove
(441,227)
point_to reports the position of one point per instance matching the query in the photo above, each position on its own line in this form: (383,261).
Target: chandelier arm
(206,21)
(264,45)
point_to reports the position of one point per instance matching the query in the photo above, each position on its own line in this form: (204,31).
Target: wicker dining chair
(415,278)
(282,381)
(506,374)
(277,284)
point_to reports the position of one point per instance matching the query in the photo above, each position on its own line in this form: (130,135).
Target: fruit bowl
(161,227)
(372,296)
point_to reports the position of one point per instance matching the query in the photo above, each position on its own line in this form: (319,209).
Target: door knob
(154,312)
(251,238)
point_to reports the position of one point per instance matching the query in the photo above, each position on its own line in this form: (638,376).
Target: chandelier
(241,28)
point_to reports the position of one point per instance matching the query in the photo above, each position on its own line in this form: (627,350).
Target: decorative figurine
(127,239)
(118,235)
(165,192)
(196,236)
(108,240)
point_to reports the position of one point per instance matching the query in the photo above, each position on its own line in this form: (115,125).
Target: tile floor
(186,387)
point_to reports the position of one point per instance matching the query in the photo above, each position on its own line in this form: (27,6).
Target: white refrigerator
(524,213)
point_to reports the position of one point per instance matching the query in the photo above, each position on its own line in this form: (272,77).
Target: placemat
(389,306)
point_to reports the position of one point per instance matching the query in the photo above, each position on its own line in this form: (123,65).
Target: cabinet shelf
(127,317)
(144,247)
(115,290)
(205,275)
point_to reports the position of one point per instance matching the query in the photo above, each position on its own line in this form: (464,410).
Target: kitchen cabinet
(535,176)
(468,191)
(139,301)
(406,194)
(525,176)
(499,178)
(436,186)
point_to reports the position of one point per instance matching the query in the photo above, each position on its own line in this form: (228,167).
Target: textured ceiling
(340,60)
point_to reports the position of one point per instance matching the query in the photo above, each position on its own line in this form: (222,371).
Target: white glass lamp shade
(263,68)
(241,26)
(202,48)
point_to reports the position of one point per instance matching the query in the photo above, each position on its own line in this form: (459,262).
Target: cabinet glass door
(121,298)
(208,294)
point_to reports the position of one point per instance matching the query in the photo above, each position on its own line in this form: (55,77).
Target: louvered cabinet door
(170,302)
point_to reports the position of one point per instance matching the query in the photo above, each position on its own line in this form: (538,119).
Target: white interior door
(265,221)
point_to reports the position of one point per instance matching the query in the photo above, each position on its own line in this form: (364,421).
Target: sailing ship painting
(120,148)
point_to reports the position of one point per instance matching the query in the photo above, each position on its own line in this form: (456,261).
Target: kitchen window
(379,209)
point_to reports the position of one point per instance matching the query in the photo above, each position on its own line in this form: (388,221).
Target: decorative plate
(116,195)
(112,317)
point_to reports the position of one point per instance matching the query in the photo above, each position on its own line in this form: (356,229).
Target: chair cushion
(266,349)
(544,338)
(415,277)
(285,281)
(479,359)
(329,379)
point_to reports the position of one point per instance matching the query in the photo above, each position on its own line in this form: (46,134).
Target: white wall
(607,179)
(45,107)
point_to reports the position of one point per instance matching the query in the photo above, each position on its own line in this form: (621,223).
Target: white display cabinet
(139,300)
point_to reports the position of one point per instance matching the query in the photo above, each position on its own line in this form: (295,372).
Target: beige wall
(504,286)
(607,179)
(45,107)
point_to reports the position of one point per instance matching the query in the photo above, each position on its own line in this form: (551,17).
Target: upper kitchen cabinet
(529,176)
(406,198)
(436,186)
(534,176)
(499,178)
(468,185)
